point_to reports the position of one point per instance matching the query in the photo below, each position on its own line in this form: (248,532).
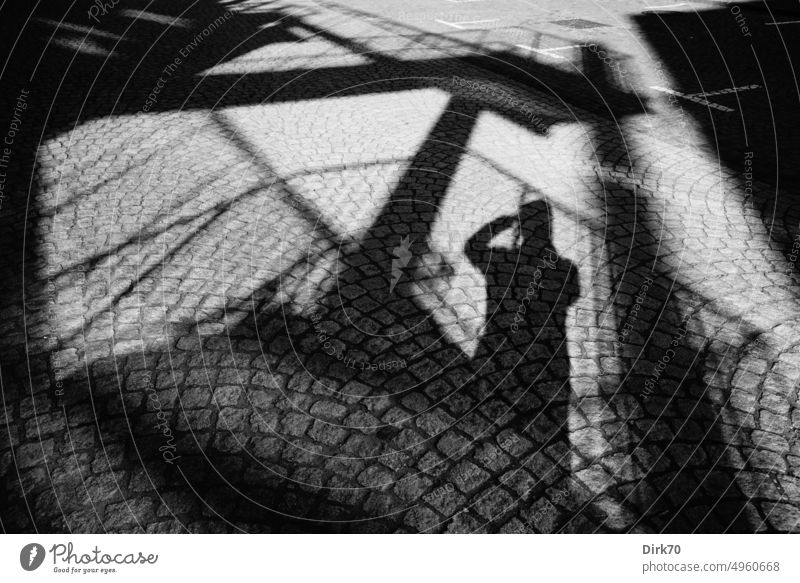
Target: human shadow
(530,286)
(341,448)
(244,402)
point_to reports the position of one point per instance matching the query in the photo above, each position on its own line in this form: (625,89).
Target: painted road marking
(693,98)
(458,25)
(783,22)
(546,52)
(726,91)
(667,6)
(542,52)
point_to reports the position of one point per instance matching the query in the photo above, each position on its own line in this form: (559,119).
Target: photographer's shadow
(529,289)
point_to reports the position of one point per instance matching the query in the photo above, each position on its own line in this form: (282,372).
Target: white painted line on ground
(725,91)
(458,25)
(542,52)
(783,22)
(546,52)
(693,98)
(667,6)
(479,21)
(564,47)
(449,24)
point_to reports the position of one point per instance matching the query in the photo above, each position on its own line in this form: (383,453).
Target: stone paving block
(238,298)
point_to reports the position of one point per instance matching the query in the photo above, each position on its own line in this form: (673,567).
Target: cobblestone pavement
(281,267)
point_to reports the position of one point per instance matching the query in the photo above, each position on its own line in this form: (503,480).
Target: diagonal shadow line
(454,142)
(95,188)
(615,100)
(451,135)
(417,35)
(299,203)
(448,140)
(150,234)
(216,214)
(328,86)
(217,211)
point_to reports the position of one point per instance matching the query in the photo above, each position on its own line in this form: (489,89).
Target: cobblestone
(231,266)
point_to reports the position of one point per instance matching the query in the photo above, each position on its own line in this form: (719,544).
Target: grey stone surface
(217,323)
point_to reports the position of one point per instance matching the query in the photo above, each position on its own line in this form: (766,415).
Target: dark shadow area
(683,479)
(716,49)
(529,288)
(306,441)
(591,85)
(664,383)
